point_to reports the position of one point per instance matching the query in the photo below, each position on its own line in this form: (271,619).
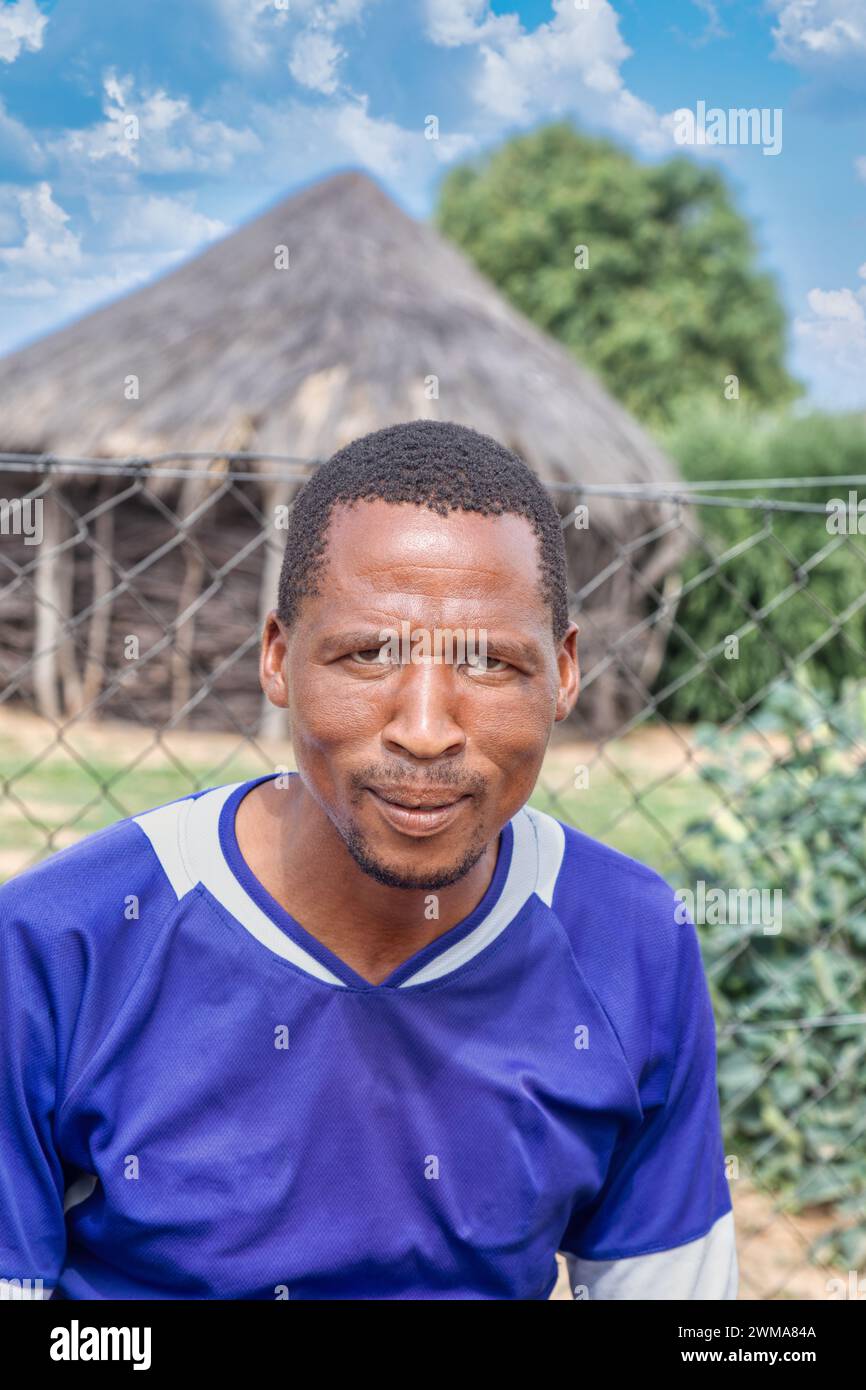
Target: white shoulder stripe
(703,1269)
(204,854)
(162,828)
(551,848)
(536,858)
(519,883)
(185,839)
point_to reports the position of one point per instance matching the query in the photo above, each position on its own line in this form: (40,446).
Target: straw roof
(233,353)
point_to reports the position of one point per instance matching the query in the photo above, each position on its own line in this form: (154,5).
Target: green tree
(672,301)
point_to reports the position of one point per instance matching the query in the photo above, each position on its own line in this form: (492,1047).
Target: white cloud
(569,63)
(454,22)
(382,145)
(155,221)
(714,28)
(11,221)
(302,141)
(49,247)
(836,304)
(155,133)
(314,59)
(814,33)
(17,146)
(860,166)
(21,26)
(251,26)
(259,33)
(50,277)
(315,54)
(831,346)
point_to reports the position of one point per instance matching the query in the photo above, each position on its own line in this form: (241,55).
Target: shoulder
(67,913)
(86,881)
(77,931)
(601,895)
(629,939)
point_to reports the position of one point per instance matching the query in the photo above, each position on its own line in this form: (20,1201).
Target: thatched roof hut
(332,314)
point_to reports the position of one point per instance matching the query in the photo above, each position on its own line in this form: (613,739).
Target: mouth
(420,813)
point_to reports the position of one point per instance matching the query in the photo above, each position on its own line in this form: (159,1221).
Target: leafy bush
(772,554)
(792,1093)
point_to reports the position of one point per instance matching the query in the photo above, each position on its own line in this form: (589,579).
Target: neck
(299,857)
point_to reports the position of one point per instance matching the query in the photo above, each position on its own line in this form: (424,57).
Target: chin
(409,874)
(394,878)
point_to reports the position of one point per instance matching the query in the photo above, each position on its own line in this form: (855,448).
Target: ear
(272,661)
(569,673)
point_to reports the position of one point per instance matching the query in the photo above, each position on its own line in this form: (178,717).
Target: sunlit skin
(323,847)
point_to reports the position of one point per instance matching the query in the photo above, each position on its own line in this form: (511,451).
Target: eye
(372,656)
(485,665)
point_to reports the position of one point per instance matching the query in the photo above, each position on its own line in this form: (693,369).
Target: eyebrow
(354,639)
(365,638)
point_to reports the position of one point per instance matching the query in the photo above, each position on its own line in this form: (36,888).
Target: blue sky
(237,102)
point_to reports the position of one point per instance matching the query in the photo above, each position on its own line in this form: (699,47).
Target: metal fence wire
(719,737)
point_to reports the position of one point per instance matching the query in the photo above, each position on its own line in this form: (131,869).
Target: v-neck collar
(419,963)
(195,842)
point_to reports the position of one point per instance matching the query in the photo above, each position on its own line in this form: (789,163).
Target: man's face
(371,728)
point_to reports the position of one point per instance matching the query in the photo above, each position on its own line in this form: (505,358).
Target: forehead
(380,548)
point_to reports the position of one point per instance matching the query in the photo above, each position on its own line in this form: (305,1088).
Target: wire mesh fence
(719,737)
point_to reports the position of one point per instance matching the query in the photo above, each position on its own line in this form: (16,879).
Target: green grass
(648,828)
(49,801)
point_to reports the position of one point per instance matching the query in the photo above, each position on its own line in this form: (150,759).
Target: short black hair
(435,464)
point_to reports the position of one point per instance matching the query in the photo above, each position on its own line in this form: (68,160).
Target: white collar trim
(185,838)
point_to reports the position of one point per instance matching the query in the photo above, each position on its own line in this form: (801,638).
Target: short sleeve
(32,1179)
(662,1225)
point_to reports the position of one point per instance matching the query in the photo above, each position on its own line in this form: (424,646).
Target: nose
(422,721)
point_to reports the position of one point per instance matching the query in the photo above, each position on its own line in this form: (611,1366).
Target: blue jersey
(199,1100)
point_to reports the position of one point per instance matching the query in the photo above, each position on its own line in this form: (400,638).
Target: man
(374,1029)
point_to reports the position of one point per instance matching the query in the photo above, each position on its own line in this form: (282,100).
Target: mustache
(459,781)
